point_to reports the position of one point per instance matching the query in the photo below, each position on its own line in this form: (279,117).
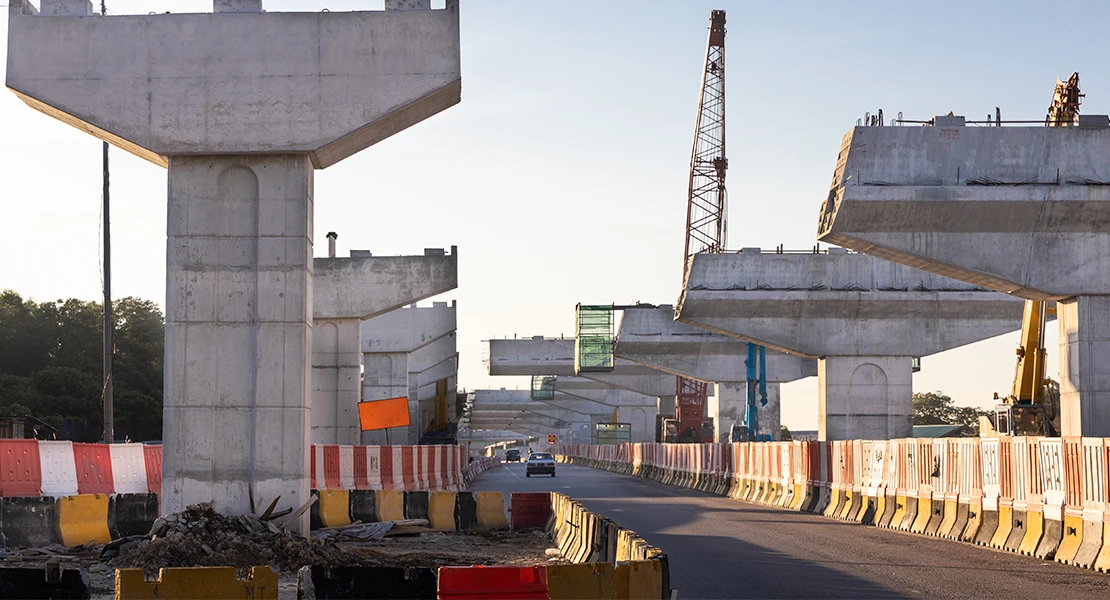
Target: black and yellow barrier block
(197,583)
(131,514)
(49,582)
(349,583)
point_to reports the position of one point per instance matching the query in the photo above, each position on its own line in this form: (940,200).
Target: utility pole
(109,322)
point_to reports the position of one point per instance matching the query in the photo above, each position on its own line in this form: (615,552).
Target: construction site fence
(411,468)
(1038,496)
(58,469)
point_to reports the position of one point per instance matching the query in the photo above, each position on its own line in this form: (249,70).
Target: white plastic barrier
(59,472)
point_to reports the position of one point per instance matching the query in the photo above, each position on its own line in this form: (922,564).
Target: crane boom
(705,210)
(705,213)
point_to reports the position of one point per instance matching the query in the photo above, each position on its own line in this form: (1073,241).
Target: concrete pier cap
(241,106)
(1021,210)
(187,84)
(863,317)
(650,336)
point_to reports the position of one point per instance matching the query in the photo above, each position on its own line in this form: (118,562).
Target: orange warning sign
(382,414)
(550,439)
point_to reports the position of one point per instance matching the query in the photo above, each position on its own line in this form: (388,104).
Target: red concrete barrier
(480,582)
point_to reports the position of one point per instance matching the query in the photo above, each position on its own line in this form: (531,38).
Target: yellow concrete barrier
(1102,561)
(335,508)
(588,581)
(1005,525)
(197,583)
(83,519)
(441,510)
(1073,538)
(491,510)
(644,579)
(390,505)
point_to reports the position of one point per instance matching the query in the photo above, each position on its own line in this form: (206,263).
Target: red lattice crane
(705,212)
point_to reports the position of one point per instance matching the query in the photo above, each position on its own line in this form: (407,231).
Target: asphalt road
(722,548)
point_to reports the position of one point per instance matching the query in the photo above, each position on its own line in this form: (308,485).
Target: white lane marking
(510,471)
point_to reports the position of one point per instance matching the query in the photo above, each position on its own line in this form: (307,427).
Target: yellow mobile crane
(1025,411)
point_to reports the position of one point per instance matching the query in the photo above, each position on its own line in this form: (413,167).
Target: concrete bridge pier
(241,106)
(347,292)
(1020,210)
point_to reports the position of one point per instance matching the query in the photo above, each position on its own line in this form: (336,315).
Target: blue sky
(562,174)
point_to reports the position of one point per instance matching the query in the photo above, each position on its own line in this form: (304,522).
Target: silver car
(539,463)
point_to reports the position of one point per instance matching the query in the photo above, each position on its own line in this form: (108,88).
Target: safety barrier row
(40,521)
(388,467)
(56,469)
(454,511)
(479,466)
(1043,497)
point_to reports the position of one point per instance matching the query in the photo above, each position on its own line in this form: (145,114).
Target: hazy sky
(562,175)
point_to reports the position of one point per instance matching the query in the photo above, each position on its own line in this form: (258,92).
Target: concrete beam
(148,84)
(372,286)
(651,336)
(863,316)
(409,329)
(1036,225)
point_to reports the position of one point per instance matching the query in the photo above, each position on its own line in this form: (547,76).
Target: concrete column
(732,401)
(238,332)
(417,421)
(666,405)
(384,376)
(336,385)
(864,397)
(1084,325)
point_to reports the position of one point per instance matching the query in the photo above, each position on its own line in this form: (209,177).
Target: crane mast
(705,211)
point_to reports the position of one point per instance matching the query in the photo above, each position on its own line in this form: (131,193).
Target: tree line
(51,363)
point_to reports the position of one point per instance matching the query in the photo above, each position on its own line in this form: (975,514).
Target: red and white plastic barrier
(59,469)
(410,468)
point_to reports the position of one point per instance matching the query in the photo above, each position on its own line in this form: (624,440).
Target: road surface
(723,548)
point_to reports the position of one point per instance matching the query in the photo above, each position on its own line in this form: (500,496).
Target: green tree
(51,357)
(936,408)
(932,408)
(784,434)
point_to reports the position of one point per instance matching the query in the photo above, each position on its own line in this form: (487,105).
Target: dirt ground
(435,549)
(200,536)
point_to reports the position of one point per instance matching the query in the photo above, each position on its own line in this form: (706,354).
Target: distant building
(25,428)
(803,436)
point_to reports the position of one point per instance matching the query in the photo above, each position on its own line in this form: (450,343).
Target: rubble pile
(200,537)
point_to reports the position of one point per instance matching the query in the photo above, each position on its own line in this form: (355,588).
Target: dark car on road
(512,456)
(539,463)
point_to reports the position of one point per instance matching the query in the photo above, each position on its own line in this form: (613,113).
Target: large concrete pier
(864,317)
(402,351)
(241,106)
(347,292)
(1021,210)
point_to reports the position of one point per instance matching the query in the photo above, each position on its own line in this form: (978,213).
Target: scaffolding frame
(593,338)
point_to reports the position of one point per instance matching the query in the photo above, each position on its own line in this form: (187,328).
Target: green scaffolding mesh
(593,339)
(543,387)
